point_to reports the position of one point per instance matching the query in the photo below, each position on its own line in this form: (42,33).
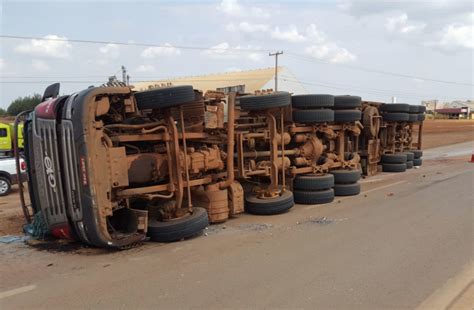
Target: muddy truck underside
(111,167)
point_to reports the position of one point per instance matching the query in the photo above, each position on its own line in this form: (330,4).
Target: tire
(395,107)
(312,182)
(267,101)
(5,186)
(410,155)
(280,204)
(314,197)
(417,162)
(313,116)
(371,125)
(347,116)
(343,176)
(395,117)
(421,117)
(394,167)
(349,189)
(347,102)
(421,109)
(165,97)
(180,228)
(417,153)
(412,117)
(410,164)
(413,108)
(312,101)
(398,158)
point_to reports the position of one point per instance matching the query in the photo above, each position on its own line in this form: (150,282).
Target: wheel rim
(3,186)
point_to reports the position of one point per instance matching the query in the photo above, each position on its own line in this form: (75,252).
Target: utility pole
(124,75)
(276,66)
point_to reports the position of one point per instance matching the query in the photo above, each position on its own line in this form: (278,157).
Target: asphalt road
(393,246)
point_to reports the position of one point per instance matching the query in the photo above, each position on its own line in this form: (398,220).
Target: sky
(414,50)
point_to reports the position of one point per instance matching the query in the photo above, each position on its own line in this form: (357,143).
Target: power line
(315,60)
(351,86)
(185,47)
(369,91)
(241,50)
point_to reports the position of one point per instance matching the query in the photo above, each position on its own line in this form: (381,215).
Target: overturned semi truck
(111,167)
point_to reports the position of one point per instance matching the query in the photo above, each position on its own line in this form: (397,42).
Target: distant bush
(23,104)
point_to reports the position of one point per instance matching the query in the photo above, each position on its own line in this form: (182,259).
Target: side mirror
(52,91)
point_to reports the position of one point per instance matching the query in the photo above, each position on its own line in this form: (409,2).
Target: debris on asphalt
(10,239)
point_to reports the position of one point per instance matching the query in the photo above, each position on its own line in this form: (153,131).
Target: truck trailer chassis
(111,167)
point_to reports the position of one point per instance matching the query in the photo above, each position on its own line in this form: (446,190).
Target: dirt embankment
(445,132)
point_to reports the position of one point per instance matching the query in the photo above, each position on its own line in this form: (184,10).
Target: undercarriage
(162,164)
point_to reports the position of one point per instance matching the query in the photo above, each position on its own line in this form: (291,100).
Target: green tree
(3,112)
(23,103)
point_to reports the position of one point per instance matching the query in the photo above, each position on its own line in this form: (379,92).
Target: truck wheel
(410,155)
(312,101)
(269,206)
(412,117)
(313,182)
(313,116)
(395,107)
(5,186)
(417,153)
(399,158)
(314,197)
(370,121)
(394,167)
(347,102)
(267,101)
(165,97)
(342,176)
(347,116)
(395,117)
(417,162)
(350,189)
(180,228)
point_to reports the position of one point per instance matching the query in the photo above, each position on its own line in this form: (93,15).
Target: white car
(8,175)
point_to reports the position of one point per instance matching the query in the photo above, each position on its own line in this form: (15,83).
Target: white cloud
(165,50)
(225,51)
(40,65)
(341,55)
(233,69)
(2,64)
(330,52)
(314,34)
(399,24)
(111,51)
(290,35)
(247,27)
(459,35)
(46,48)
(324,49)
(233,8)
(145,68)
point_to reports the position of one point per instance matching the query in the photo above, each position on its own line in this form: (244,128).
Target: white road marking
(452,290)
(17,291)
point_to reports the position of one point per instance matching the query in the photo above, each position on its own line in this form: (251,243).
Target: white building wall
(286,82)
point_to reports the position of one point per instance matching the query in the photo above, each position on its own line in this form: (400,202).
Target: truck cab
(6,138)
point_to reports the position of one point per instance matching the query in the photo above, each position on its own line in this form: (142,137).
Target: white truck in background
(8,174)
